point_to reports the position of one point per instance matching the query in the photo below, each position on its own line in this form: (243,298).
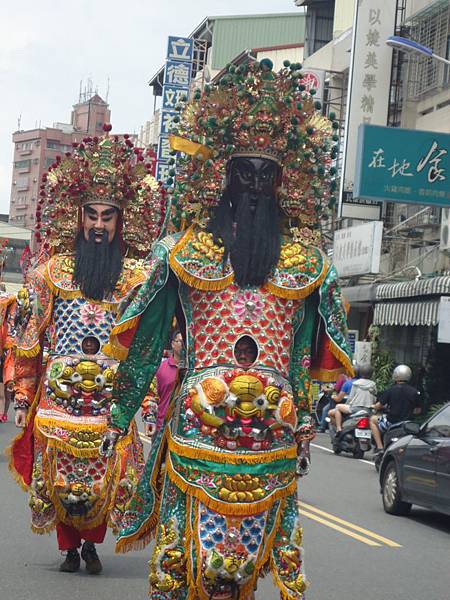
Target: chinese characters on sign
(403,165)
(177,79)
(370,82)
(314,79)
(357,250)
(433,160)
(371,57)
(179,48)
(177,74)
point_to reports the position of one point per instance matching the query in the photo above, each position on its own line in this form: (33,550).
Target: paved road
(354,551)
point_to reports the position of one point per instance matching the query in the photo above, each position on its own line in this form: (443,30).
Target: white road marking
(368,462)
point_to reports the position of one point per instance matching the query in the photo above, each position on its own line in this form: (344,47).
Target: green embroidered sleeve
(301,362)
(334,320)
(150,317)
(144,357)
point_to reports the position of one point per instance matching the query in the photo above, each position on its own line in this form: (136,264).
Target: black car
(416,468)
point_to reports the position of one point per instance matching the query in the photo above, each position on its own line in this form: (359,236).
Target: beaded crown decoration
(100,170)
(254,111)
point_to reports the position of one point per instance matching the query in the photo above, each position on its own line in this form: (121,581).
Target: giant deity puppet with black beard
(98,255)
(246,221)
(260,310)
(81,282)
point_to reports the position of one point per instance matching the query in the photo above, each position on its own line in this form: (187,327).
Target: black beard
(98,265)
(254,248)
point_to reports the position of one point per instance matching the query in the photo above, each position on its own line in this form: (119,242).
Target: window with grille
(431,28)
(23,164)
(447,56)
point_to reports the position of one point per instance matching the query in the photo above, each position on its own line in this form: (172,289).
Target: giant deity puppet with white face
(98,213)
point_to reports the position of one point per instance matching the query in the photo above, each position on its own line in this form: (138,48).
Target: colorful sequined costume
(7,311)
(224,505)
(68,394)
(67,480)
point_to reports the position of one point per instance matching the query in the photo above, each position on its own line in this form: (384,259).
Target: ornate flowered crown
(253,111)
(105,170)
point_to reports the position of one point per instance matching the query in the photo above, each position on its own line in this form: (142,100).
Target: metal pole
(349,107)
(441,58)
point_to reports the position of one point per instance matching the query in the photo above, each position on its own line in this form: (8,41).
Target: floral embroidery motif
(92,314)
(306,361)
(248,304)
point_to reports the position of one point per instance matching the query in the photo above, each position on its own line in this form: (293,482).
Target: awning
(410,289)
(359,293)
(425,312)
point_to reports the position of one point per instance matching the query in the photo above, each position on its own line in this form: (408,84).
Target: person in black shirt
(398,403)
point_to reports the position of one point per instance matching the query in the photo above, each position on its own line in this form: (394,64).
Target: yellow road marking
(356,536)
(366,532)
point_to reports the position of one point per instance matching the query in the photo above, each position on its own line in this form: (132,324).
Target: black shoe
(71,563)
(90,556)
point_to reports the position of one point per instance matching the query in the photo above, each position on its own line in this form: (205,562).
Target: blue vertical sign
(177,79)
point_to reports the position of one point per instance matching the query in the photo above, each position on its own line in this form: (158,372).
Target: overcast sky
(47,47)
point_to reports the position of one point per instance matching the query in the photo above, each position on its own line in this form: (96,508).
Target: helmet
(401,373)
(365,371)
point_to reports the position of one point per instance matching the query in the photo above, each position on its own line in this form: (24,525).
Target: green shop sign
(403,165)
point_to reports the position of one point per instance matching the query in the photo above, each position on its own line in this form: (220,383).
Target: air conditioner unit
(445,230)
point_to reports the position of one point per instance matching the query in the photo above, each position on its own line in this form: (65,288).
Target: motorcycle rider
(398,402)
(363,394)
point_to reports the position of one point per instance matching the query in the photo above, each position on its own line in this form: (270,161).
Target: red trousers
(69,537)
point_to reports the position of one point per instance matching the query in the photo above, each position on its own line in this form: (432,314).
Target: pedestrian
(89,265)
(249,291)
(362,395)
(7,309)
(156,403)
(335,394)
(397,402)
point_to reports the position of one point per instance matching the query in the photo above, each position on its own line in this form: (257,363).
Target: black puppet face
(251,179)
(246,221)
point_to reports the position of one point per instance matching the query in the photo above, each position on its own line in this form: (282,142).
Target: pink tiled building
(35,150)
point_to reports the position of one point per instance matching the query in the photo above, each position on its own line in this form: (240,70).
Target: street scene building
(401,295)
(35,151)
(219,40)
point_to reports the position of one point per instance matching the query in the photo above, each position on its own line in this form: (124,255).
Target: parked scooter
(355,437)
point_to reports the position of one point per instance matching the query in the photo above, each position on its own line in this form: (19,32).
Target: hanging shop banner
(357,250)
(403,165)
(444,320)
(371,58)
(177,80)
(352,336)
(314,79)
(180,48)
(359,209)
(363,353)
